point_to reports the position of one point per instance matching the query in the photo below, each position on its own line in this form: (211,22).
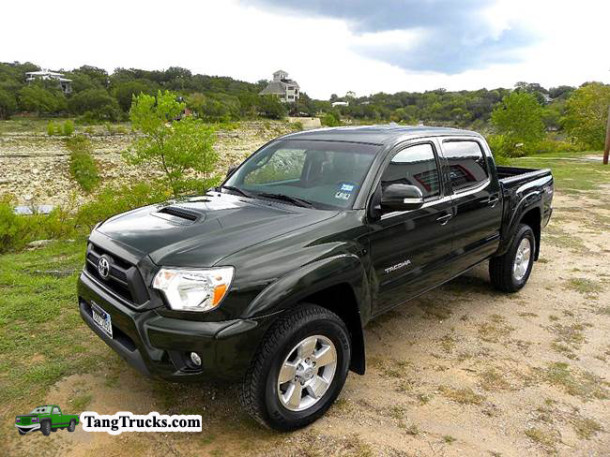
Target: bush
(16,231)
(114,200)
(68,128)
(176,149)
(82,165)
(51,128)
(330,120)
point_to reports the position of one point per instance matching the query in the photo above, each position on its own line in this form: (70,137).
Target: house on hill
(287,90)
(45,75)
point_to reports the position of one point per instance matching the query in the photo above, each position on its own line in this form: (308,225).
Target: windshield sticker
(345,190)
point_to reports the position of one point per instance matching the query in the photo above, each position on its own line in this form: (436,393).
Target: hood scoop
(178,214)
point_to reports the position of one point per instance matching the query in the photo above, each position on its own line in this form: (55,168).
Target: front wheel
(299,369)
(510,272)
(45,428)
(72,425)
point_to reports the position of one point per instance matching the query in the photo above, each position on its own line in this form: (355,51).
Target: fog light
(195,359)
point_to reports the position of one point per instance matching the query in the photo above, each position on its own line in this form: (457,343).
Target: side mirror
(401,197)
(231,170)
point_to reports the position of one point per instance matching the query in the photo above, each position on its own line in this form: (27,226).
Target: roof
(379,134)
(273,88)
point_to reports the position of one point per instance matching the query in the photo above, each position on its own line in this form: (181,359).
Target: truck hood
(201,231)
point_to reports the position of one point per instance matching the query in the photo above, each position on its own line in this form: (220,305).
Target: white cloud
(227,38)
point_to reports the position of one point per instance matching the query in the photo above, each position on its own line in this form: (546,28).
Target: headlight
(194,290)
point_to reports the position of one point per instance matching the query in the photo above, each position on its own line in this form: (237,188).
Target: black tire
(21,432)
(45,428)
(501,271)
(260,397)
(72,426)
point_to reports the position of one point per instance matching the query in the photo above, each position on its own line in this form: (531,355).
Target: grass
(584,286)
(545,438)
(492,379)
(576,383)
(570,175)
(80,402)
(585,428)
(495,330)
(463,396)
(42,337)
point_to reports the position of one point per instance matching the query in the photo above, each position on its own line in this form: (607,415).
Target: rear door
(408,247)
(477,207)
(55,417)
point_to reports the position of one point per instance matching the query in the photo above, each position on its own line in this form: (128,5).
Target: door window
(415,165)
(56,410)
(466,162)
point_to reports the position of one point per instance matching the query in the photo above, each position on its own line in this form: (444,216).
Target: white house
(287,90)
(333,104)
(46,75)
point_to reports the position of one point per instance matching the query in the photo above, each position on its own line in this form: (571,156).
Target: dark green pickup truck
(46,418)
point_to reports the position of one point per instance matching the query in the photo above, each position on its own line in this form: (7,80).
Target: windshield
(41,410)
(324,173)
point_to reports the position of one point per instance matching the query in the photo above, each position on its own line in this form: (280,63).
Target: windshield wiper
(287,198)
(245,193)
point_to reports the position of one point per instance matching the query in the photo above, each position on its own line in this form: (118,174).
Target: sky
(328,46)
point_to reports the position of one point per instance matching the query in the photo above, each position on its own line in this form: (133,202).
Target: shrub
(330,120)
(82,165)
(51,128)
(114,200)
(177,148)
(18,230)
(68,128)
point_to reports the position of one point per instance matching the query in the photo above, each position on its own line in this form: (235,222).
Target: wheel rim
(522,259)
(307,373)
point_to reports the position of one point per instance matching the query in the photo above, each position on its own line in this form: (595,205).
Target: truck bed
(510,175)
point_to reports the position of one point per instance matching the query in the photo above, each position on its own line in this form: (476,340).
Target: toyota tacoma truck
(270,277)
(47,419)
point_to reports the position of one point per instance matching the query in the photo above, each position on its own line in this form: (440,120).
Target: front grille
(124,279)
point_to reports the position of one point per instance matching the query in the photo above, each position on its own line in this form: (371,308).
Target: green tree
(37,99)
(96,103)
(271,107)
(8,104)
(519,118)
(587,114)
(178,148)
(125,91)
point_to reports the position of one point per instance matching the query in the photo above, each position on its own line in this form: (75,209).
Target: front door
(408,247)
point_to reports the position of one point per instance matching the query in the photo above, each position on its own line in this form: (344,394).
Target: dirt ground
(463,370)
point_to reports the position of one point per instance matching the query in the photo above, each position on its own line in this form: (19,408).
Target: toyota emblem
(103,267)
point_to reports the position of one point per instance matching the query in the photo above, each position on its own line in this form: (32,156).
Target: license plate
(102,318)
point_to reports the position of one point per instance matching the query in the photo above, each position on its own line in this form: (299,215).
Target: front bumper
(28,428)
(159,346)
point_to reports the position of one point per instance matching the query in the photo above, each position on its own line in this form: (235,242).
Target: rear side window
(415,165)
(466,162)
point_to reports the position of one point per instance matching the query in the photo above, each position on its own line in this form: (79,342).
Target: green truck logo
(47,419)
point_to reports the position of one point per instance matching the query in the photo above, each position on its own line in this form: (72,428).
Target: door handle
(493,200)
(444,219)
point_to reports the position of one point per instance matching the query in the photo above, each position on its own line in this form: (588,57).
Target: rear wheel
(45,428)
(510,272)
(299,369)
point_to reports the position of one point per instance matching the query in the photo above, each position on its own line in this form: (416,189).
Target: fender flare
(294,287)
